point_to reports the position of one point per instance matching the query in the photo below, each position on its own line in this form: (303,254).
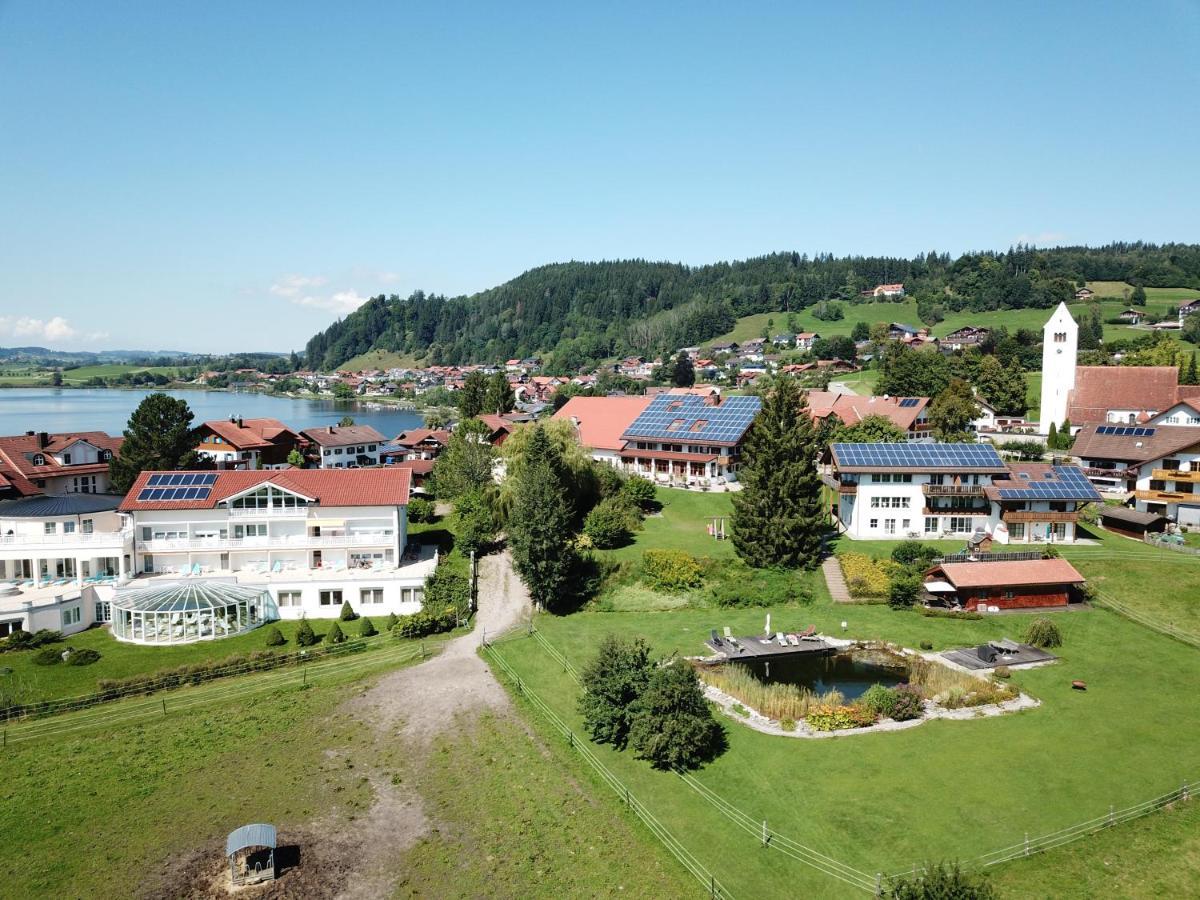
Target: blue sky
(228,176)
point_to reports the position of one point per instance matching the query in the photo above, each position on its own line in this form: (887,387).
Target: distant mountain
(576,313)
(46,356)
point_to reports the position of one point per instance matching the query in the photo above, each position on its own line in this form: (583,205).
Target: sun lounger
(808,633)
(780,639)
(714,640)
(196,569)
(793,639)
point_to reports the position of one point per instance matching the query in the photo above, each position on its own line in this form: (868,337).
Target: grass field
(681,525)
(378,359)
(112,370)
(120,660)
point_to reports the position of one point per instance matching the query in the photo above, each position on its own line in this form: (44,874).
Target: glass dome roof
(200,596)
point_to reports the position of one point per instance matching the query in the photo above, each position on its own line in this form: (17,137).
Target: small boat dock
(763,647)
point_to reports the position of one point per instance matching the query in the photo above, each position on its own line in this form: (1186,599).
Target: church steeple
(1060,351)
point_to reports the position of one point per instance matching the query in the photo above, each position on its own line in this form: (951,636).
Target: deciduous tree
(612,683)
(672,725)
(952,412)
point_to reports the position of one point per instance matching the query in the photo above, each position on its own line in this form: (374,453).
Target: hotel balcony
(1030,515)
(290,542)
(1168,497)
(1176,475)
(107,540)
(952,490)
(270,512)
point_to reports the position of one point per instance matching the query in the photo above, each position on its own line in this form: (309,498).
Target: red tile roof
(853,408)
(17,452)
(1128,448)
(330,487)
(417,435)
(251,434)
(1099,389)
(416,466)
(1005,574)
(601,421)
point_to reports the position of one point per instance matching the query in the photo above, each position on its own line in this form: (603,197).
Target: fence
(1156,540)
(875,884)
(987,556)
(1137,616)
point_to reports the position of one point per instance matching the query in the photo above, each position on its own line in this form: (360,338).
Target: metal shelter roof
(250,836)
(49,506)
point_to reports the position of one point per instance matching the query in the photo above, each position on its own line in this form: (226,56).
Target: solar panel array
(1125,430)
(908,402)
(1061,483)
(919,456)
(178,486)
(676,417)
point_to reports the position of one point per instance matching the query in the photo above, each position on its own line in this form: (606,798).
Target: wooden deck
(753,647)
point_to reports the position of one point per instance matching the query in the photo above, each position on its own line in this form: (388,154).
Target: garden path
(832,570)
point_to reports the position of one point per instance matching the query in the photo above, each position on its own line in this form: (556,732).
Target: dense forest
(573,314)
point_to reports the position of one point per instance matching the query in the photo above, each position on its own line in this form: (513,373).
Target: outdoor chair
(716,641)
(780,639)
(809,633)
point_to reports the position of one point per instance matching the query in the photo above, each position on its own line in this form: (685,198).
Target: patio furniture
(713,639)
(1079,685)
(782,641)
(793,639)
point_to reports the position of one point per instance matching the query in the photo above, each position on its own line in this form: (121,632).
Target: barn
(996,586)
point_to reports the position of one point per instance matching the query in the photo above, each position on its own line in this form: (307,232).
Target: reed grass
(775,701)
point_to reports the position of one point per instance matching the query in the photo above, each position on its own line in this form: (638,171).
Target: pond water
(99,409)
(849,673)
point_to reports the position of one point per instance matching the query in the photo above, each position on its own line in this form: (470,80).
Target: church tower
(1060,347)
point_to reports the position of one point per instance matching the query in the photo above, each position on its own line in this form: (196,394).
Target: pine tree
(1052,437)
(684,373)
(159,436)
(1191,377)
(500,398)
(472,399)
(777,515)
(539,526)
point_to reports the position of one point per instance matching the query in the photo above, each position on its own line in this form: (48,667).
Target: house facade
(688,439)
(247,443)
(313,539)
(1004,585)
(66,463)
(344,446)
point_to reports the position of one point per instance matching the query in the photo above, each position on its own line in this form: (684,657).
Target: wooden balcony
(1167,497)
(847,487)
(1176,475)
(952,490)
(1029,515)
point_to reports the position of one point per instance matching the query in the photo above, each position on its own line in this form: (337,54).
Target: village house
(63,463)
(889,291)
(344,446)
(994,586)
(1132,316)
(964,338)
(1084,294)
(1186,309)
(806,339)
(416,443)
(898,331)
(910,414)
(247,443)
(601,421)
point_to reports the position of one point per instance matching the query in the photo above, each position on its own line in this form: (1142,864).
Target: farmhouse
(69,463)
(1132,316)
(1115,457)
(600,422)
(689,440)
(994,586)
(967,336)
(247,443)
(345,446)
(888,290)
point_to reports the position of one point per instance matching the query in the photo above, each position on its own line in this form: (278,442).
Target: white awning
(939,587)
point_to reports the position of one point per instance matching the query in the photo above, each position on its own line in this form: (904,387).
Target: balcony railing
(1031,515)
(1167,497)
(290,542)
(847,487)
(75,539)
(952,490)
(273,512)
(1177,475)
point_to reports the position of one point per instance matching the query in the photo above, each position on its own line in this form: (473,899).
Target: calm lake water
(84,409)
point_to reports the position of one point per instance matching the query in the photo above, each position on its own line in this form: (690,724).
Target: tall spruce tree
(500,397)
(777,515)
(472,399)
(159,435)
(539,526)
(684,373)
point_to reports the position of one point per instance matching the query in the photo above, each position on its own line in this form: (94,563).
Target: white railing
(273,512)
(288,542)
(74,539)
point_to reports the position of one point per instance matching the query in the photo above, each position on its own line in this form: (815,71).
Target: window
(147,563)
(959,524)
(370,595)
(66,459)
(50,528)
(38,459)
(906,524)
(874,503)
(931,524)
(1010,595)
(331,598)
(1059,531)
(147,533)
(87,526)
(290,598)
(1017,531)
(873,524)
(71,616)
(68,527)
(889,526)
(371,448)
(338,451)
(106,455)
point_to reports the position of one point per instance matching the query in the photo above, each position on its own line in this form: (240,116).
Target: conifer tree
(1052,437)
(539,526)
(777,515)
(1192,377)
(472,399)
(159,436)
(684,373)
(500,397)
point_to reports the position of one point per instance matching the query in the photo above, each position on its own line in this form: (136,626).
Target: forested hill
(575,313)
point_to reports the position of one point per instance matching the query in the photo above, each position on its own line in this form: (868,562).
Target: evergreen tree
(672,725)
(305,636)
(466,463)
(1191,376)
(952,412)
(684,373)
(539,526)
(778,518)
(1138,297)
(500,398)
(472,399)
(860,332)
(159,436)
(612,683)
(1052,437)
(347,614)
(335,635)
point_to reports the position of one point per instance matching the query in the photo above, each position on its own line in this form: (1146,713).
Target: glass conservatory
(188,612)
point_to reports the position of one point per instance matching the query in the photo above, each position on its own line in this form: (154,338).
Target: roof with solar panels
(207,490)
(694,419)
(970,458)
(1041,481)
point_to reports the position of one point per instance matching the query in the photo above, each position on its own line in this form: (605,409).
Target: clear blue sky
(226,176)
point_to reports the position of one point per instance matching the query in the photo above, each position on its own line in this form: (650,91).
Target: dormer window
(66,459)
(106,455)
(38,459)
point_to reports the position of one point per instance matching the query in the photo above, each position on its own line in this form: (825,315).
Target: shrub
(904,591)
(612,682)
(786,724)
(936,612)
(1042,632)
(275,637)
(837,718)
(1002,672)
(85,656)
(926,645)
(447,588)
(940,882)
(880,699)
(420,510)
(391,622)
(23,640)
(366,629)
(641,491)
(305,636)
(334,635)
(347,614)
(907,703)
(427,621)
(474,521)
(865,577)
(610,522)
(740,710)
(672,725)
(762,588)
(47,656)
(914,553)
(671,570)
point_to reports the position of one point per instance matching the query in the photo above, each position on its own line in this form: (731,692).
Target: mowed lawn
(112,370)
(681,524)
(120,660)
(880,802)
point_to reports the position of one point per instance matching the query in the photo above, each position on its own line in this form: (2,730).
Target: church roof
(1099,389)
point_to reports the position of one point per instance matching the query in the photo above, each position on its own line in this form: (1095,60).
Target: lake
(98,409)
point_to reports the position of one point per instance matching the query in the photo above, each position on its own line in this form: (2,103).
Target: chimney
(43,439)
(29,434)
(240,424)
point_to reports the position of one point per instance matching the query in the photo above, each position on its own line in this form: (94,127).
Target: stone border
(758,722)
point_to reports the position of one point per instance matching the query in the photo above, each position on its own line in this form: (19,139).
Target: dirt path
(835,581)
(417,704)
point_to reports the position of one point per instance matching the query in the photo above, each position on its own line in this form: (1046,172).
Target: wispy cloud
(303,290)
(340,302)
(1041,239)
(53,329)
(292,286)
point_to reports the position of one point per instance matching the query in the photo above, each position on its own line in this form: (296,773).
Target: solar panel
(174,492)
(919,456)
(689,417)
(907,402)
(1060,483)
(1125,430)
